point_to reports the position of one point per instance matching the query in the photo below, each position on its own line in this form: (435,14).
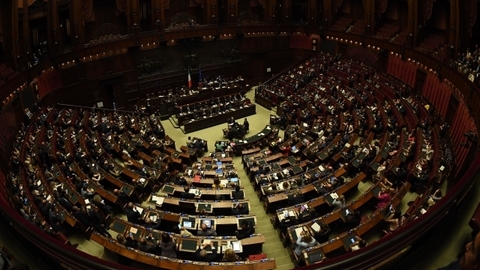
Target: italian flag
(189,79)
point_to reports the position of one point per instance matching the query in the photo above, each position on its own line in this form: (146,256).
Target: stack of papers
(334,195)
(157,199)
(316,227)
(237,246)
(298,231)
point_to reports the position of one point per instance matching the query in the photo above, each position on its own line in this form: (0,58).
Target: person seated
(206,231)
(180,180)
(296,198)
(144,246)
(303,242)
(97,201)
(230,256)
(338,203)
(240,209)
(127,241)
(186,193)
(149,223)
(305,214)
(167,245)
(393,222)
(359,243)
(122,196)
(205,256)
(352,219)
(132,214)
(237,194)
(246,231)
(383,198)
(219,146)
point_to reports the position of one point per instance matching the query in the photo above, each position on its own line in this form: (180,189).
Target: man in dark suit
(146,247)
(246,125)
(204,256)
(237,194)
(186,193)
(82,216)
(132,214)
(240,209)
(98,222)
(149,223)
(122,196)
(246,231)
(296,198)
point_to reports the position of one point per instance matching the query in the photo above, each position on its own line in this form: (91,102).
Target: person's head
(143,241)
(97,198)
(237,188)
(186,189)
(203,253)
(245,224)
(166,238)
(307,238)
(362,243)
(121,239)
(229,255)
(471,258)
(204,227)
(240,206)
(130,205)
(148,220)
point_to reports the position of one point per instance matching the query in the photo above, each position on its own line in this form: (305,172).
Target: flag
(189,79)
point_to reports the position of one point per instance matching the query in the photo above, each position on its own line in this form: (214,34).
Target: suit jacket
(146,248)
(133,216)
(210,256)
(247,232)
(238,195)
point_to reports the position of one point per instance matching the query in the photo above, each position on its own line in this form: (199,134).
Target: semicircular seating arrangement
(77,168)
(356,129)
(356,142)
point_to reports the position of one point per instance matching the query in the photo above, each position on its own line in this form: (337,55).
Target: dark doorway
(222,11)
(109,101)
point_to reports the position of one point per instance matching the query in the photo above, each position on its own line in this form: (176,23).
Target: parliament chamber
(237,134)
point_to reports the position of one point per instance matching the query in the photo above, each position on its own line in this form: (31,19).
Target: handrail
(98,109)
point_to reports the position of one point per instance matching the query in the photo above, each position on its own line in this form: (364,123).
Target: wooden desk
(167,263)
(182,206)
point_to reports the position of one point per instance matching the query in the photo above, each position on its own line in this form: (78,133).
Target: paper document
(298,231)
(139,209)
(316,227)
(158,199)
(237,246)
(133,230)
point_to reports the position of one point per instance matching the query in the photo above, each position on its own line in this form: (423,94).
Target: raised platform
(219,119)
